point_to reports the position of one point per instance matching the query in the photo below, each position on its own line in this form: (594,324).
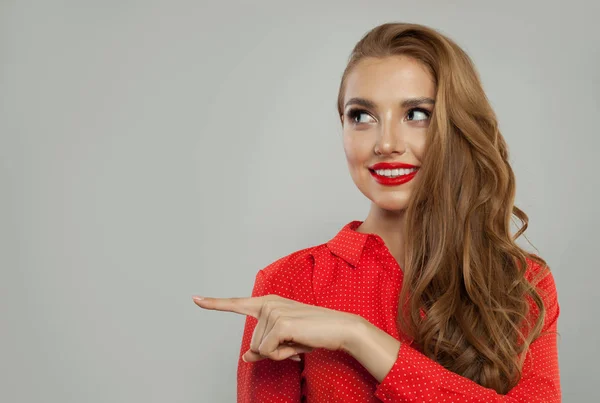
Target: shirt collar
(348,243)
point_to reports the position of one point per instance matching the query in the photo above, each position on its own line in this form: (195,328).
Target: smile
(393,177)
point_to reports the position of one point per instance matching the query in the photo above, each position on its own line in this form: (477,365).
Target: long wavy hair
(467,296)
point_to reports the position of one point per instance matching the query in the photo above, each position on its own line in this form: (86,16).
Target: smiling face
(387,107)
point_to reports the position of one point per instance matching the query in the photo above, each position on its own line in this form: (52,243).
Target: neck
(389,226)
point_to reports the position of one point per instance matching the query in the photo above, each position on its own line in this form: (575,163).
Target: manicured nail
(197,298)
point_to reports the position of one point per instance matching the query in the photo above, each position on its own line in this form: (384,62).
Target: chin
(396,207)
(389,202)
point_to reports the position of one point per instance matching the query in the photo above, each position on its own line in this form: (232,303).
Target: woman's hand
(286,327)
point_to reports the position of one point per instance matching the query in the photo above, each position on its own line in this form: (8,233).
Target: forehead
(393,78)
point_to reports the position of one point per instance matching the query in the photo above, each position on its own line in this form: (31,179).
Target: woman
(429,298)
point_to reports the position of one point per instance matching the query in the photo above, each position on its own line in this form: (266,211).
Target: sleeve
(415,377)
(267,380)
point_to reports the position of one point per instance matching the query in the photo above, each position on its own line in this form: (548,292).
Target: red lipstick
(391,165)
(387,181)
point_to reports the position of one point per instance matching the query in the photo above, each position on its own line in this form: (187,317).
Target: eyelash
(354,113)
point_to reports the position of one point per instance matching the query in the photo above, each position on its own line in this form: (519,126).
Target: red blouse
(355,272)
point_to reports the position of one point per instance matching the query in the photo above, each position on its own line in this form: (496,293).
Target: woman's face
(387,107)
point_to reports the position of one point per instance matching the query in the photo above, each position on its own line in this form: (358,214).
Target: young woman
(429,298)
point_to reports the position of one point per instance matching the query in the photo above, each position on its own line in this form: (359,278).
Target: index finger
(246,306)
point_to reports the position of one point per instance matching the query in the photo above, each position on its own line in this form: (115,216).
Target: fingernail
(244,358)
(197,298)
(295,358)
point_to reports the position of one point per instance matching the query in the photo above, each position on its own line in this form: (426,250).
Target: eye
(353,114)
(418,114)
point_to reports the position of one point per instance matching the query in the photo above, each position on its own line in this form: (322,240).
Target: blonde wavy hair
(463,268)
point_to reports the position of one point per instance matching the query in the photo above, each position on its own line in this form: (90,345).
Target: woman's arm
(407,375)
(266,380)
(375,349)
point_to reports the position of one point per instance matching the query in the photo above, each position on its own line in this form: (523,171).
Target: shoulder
(288,265)
(290,276)
(540,276)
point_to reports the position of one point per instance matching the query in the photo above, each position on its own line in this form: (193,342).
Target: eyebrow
(407,103)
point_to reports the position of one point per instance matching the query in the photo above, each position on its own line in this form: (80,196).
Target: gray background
(152,150)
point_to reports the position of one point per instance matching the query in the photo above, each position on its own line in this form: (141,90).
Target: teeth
(391,173)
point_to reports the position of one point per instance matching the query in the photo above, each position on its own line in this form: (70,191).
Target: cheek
(348,149)
(417,145)
(357,150)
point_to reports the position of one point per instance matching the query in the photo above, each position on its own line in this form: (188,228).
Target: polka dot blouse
(355,272)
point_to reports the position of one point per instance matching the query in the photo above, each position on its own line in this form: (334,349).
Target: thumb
(282,353)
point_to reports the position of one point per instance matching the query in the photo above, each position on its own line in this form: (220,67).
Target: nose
(391,138)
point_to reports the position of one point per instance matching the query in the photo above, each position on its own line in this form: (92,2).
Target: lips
(387,181)
(391,165)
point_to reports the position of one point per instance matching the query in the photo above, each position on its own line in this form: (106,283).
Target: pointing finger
(245,306)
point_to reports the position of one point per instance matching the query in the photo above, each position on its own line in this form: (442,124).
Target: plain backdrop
(154,150)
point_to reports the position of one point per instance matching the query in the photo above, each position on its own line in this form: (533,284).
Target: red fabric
(355,272)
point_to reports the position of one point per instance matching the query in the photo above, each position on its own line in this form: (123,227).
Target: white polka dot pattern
(355,272)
